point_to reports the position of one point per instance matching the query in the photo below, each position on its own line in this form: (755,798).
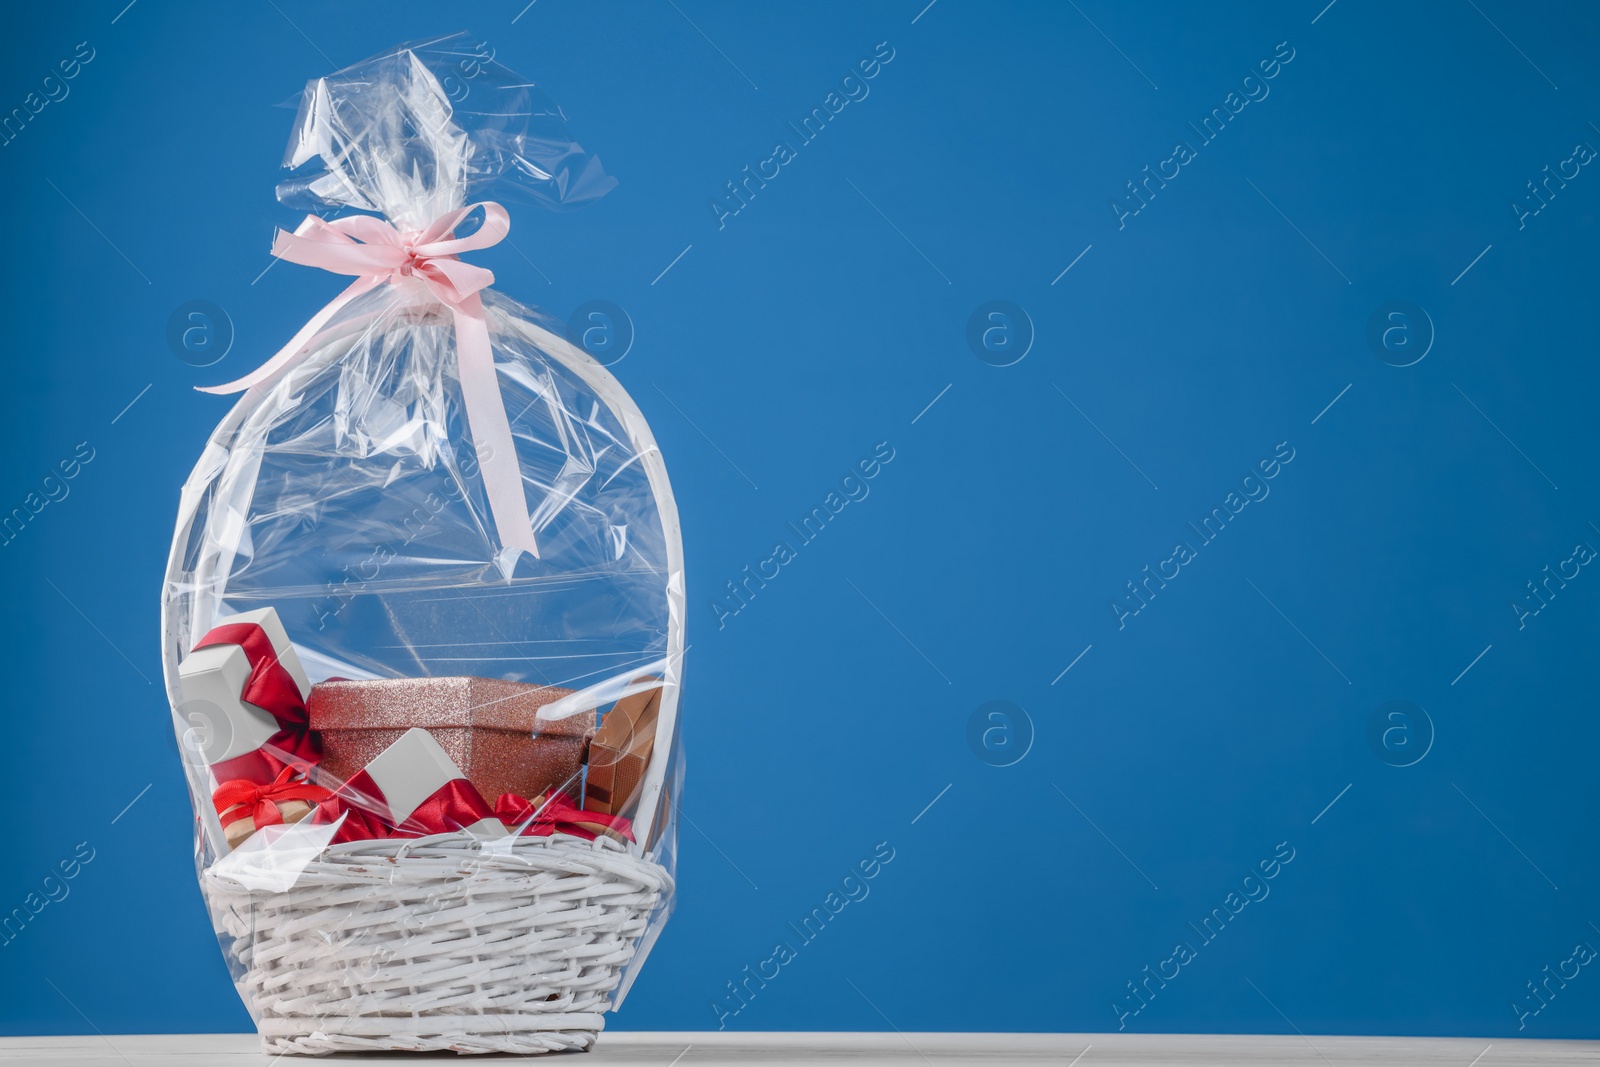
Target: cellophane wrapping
(346,492)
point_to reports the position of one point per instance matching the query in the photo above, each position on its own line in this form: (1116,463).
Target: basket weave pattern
(437,945)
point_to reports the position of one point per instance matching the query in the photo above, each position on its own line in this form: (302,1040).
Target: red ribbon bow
(272,688)
(454,806)
(458,804)
(251,800)
(555,814)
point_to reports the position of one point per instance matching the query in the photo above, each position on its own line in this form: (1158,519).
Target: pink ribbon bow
(377,253)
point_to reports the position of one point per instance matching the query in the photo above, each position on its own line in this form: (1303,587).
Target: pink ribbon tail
(299,345)
(491,430)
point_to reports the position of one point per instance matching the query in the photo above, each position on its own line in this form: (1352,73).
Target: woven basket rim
(443,855)
(461,841)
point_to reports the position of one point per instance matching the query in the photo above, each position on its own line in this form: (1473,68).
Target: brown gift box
(484,724)
(288,810)
(620,752)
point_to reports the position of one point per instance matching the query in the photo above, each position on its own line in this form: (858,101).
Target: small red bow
(543,816)
(249,800)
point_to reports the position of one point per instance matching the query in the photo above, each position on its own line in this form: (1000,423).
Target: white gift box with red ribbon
(214,678)
(414,787)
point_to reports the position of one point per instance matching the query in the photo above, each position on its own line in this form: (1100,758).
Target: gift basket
(424,612)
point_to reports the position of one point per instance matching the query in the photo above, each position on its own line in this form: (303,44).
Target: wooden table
(687,1049)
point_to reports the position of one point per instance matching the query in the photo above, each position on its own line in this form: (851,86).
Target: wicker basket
(437,945)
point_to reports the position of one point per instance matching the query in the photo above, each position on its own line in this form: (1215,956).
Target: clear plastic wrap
(350,492)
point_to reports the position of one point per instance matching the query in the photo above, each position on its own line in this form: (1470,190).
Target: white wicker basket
(437,945)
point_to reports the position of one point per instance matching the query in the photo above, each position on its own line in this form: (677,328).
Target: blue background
(1180,749)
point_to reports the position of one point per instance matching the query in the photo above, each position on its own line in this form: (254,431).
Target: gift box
(288,811)
(620,751)
(243,684)
(413,787)
(487,727)
(244,806)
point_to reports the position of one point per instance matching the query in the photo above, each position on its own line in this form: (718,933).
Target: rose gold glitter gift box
(485,725)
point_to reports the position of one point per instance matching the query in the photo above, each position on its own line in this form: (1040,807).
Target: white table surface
(688,1049)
